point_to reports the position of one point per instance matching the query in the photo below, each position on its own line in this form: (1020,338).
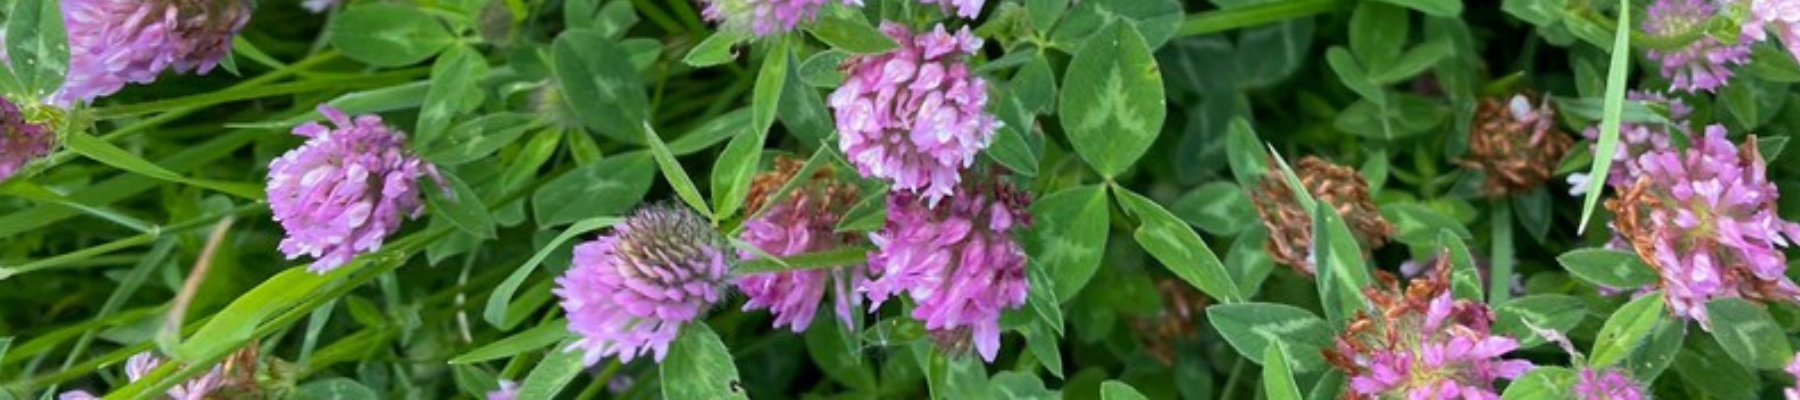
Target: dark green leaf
(1545,382)
(699,367)
(1748,333)
(1627,329)
(553,373)
(852,35)
(1278,378)
(1252,327)
(452,91)
(388,35)
(531,340)
(1068,236)
(717,49)
(1516,317)
(600,85)
(460,205)
(1609,268)
(1179,249)
(1221,208)
(1115,390)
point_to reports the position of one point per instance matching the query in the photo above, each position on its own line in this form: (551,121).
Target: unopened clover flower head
(346,189)
(631,290)
(1422,343)
(959,262)
(113,43)
(1290,226)
(803,221)
(1705,219)
(766,17)
(915,116)
(1703,63)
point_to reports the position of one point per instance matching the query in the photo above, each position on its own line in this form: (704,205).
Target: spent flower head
(1290,225)
(1515,144)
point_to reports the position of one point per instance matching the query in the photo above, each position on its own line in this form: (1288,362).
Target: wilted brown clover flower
(1290,227)
(1177,321)
(1515,145)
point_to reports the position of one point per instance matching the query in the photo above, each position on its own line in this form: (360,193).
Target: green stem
(819,260)
(1500,277)
(121,244)
(1237,369)
(256,92)
(1247,16)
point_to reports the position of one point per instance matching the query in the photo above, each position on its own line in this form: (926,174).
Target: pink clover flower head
(1703,63)
(1424,344)
(631,290)
(959,263)
(804,221)
(113,43)
(766,17)
(915,116)
(346,189)
(1705,218)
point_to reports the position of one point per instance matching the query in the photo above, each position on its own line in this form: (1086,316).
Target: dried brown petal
(1289,226)
(1516,146)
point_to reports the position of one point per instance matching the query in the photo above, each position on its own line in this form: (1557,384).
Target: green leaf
(1416,224)
(1248,261)
(1251,328)
(1342,271)
(452,91)
(867,215)
(1041,341)
(734,170)
(388,35)
(106,153)
(821,69)
(1748,333)
(1770,147)
(1112,103)
(1249,160)
(852,35)
(837,353)
(712,132)
(699,367)
(675,174)
(335,389)
(1414,62)
(766,96)
(1068,236)
(1221,208)
(600,85)
(1706,368)
(1179,249)
(236,323)
(1546,382)
(530,340)
(1115,390)
(38,46)
(1014,385)
(1607,267)
(1626,330)
(1278,378)
(495,313)
(1044,13)
(1555,312)
(720,48)
(554,373)
(1378,32)
(462,207)
(1157,20)
(1609,125)
(1350,72)
(478,138)
(1436,8)
(1649,360)
(612,186)
(1465,278)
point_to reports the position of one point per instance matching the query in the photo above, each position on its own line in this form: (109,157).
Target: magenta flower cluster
(1701,64)
(20,140)
(962,8)
(959,262)
(1705,218)
(1780,16)
(1793,370)
(766,17)
(140,365)
(915,116)
(631,290)
(343,192)
(803,222)
(1610,384)
(113,43)
(1422,343)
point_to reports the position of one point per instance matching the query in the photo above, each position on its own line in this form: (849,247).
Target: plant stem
(1247,16)
(121,244)
(1500,277)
